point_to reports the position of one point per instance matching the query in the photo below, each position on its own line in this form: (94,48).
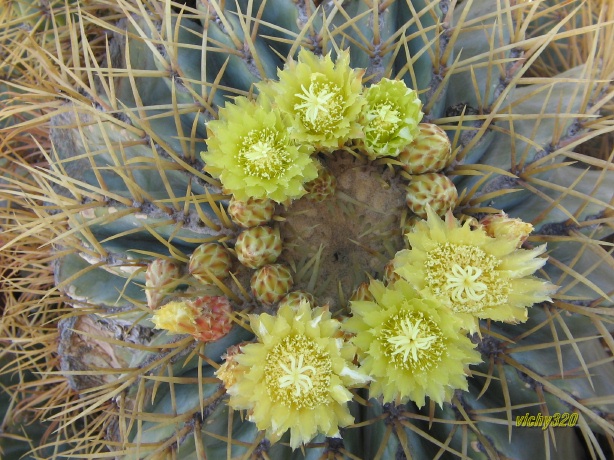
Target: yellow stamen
(465,277)
(262,155)
(317,99)
(411,340)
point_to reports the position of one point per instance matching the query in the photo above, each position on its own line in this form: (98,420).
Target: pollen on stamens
(383,119)
(412,341)
(262,156)
(320,109)
(466,277)
(298,372)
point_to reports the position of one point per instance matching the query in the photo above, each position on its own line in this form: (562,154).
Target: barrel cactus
(349,229)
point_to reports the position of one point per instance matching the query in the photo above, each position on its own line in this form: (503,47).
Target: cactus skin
(120,142)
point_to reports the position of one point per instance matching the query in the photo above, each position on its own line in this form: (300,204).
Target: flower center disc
(298,372)
(319,105)
(343,238)
(261,155)
(412,341)
(465,277)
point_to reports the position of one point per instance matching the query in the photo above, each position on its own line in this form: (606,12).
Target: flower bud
(322,187)
(271,283)
(362,293)
(294,299)
(430,151)
(433,189)
(502,226)
(160,279)
(210,260)
(251,212)
(258,246)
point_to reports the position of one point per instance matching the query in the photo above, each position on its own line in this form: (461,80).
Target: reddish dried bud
(206,318)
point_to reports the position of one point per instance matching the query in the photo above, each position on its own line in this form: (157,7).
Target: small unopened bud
(362,293)
(502,226)
(271,283)
(229,371)
(294,299)
(258,246)
(252,212)
(432,189)
(430,151)
(322,187)
(210,260)
(160,279)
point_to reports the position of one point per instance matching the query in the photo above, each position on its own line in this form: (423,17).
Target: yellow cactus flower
(296,376)
(411,347)
(323,99)
(254,156)
(472,273)
(390,118)
(206,318)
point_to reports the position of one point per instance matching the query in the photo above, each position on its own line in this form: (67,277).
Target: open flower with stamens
(323,99)
(474,274)
(252,153)
(296,376)
(413,348)
(390,118)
